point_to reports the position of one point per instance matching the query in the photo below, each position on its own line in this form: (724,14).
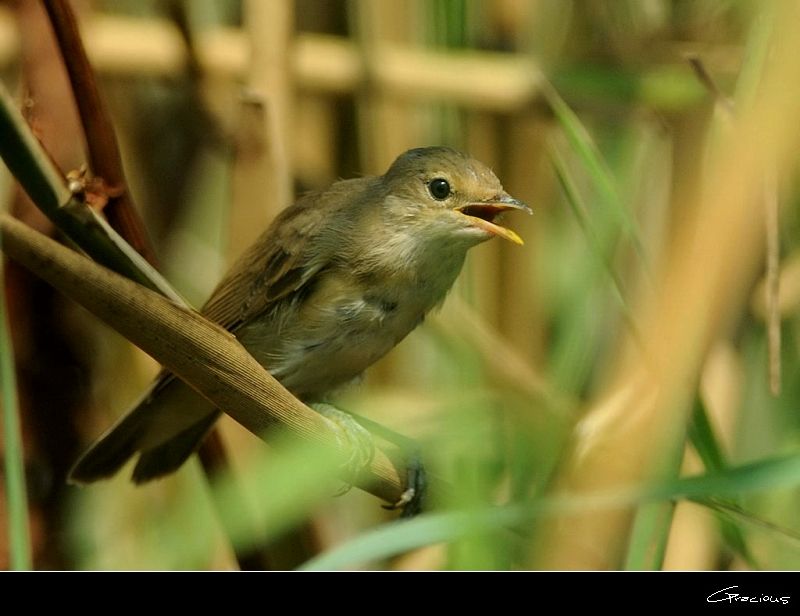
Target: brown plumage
(336,281)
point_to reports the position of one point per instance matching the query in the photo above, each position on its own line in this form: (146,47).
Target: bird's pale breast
(343,326)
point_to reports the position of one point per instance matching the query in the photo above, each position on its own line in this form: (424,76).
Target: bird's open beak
(483,213)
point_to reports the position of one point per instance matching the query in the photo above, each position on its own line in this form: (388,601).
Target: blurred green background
(608,118)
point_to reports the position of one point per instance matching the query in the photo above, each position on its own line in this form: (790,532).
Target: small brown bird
(335,282)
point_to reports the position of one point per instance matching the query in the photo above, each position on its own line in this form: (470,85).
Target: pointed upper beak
(506,201)
(483,213)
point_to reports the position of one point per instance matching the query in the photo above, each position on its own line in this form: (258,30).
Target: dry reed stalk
(315,140)
(103,151)
(522,321)
(126,47)
(263,178)
(478,284)
(386,121)
(789,283)
(773,250)
(703,287)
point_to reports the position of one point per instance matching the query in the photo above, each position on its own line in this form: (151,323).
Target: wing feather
(281,261)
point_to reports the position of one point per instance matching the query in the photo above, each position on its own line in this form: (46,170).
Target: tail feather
(166,427)
(168,457)
(110,453)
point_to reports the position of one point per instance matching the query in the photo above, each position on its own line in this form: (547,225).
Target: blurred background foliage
(601,114)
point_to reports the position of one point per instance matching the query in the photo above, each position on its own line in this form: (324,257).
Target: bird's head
(444,192)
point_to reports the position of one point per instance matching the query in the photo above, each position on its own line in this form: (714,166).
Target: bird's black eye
(439,189)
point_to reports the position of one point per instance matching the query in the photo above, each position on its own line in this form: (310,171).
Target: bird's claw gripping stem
(351,434)
(357,432)
(411,500)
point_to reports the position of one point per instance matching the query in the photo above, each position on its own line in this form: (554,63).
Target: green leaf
(649,537)
(430,529)
(597,170)
(601,254)
(702,436)
(14,460)
(405,535)
(652,524)
(703,439)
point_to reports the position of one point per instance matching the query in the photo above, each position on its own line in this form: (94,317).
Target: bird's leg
(358,431)
(411,500)
(352,434)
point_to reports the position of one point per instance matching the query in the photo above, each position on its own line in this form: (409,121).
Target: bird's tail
(165,428)
(113,449)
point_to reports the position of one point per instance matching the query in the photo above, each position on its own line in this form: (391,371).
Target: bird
(333,284)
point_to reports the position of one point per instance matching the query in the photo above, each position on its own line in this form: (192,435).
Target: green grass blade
(652,524)
(596,168)
(18,532)
(702,436)
(732,513)
(755,56)
(402,536)
(752,477)
(281,488)
(578,207)
(705,442)
(669,88)
(649,536)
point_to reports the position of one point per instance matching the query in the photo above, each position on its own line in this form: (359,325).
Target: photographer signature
(735,597)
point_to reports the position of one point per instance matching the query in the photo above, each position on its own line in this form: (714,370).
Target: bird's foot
(359,433)
(352,435)
(411,500)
